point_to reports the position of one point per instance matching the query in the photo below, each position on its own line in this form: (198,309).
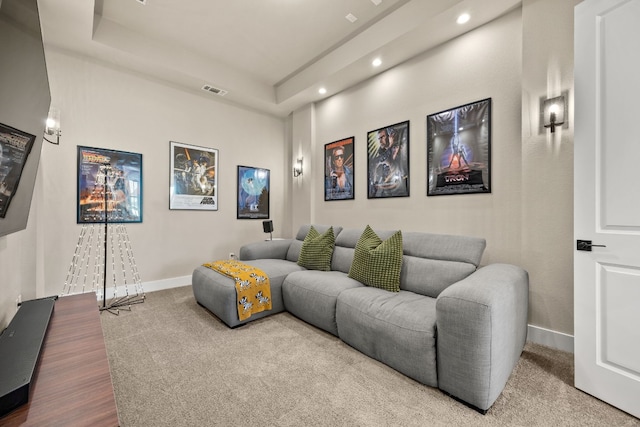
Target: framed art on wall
(194,177)
(388,161)
(109,179)
(338,170)
(253,193)
(459,150)
(15,146)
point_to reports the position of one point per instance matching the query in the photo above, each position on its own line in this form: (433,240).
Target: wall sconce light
(554,112)
(52,127)
(297,168)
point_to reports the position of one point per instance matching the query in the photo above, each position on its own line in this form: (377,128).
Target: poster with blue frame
(109,181)
(253,193)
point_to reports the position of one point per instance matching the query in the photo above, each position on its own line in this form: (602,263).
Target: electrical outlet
(18,301)
(232,255)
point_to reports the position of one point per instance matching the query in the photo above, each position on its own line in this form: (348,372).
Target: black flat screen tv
(24,104)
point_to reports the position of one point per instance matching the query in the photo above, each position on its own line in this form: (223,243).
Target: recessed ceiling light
(376,2)
(351,18)
(377,62)
(463,19)
(322,91)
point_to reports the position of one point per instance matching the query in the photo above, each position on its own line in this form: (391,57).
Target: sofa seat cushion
(217,292)
(312,295)
(398,329)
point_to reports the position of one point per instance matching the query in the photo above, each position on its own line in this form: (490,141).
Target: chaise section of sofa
(217,293)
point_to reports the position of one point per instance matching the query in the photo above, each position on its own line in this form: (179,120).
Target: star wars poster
(15,146)
(388,161)
(459,150)
(194,177)
(109,181)
(253,193)
(338,170)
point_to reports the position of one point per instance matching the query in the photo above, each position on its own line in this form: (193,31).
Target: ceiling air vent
(215,90)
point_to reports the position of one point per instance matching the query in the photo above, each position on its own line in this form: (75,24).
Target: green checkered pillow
(317,250)
(377,263)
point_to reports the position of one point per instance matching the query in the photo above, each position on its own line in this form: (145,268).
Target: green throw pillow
(317,250)
(377,263)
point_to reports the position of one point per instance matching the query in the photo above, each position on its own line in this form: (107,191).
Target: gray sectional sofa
(453,325)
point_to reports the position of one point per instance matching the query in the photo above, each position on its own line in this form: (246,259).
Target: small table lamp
(267,227)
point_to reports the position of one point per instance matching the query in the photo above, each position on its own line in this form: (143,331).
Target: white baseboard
(549,338)
(158,285)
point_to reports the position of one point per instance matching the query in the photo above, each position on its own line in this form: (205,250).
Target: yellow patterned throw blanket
(252,286)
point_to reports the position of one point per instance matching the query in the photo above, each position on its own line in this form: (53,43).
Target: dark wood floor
(72,384)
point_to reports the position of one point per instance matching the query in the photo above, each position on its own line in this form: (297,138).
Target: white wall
(485,63)
(547,163)
(17,270)
(302,142)
(107,108)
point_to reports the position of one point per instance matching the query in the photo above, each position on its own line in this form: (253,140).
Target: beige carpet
(175,364)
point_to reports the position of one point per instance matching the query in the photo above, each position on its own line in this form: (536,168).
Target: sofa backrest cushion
(430,264)
(296,245)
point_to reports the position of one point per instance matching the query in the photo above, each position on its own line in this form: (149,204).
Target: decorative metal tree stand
(89,272)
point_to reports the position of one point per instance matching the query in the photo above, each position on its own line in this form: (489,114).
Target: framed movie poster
(459,150)
(388,161)
(15,146)
(253,193)
(109,179)
(194,177)
(338,170)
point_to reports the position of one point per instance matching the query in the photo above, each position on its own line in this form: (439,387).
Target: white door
(607,201)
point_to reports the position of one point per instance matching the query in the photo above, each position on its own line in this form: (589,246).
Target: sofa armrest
(481,331)
(274,249)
